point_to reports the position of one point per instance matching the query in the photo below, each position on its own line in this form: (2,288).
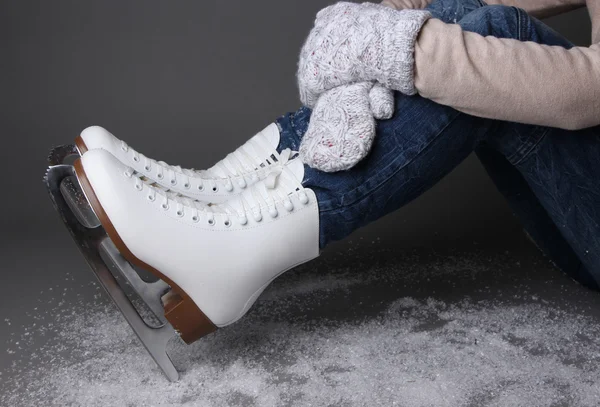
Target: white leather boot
(246,165)
(217,258)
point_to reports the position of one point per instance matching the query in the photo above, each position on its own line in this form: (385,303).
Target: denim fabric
(549,176)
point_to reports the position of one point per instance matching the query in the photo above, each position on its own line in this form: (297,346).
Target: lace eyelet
(165,206)
(173,182)
(136,159)
(151,198)
(215,188)
(159,176)
(139,187)
(303,198)
(211,222)
(186,185)
(227,223)
(200,187)
(127,174)
(195,219)
(180,213)
(147,168)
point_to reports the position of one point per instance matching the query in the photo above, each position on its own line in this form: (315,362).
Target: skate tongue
(259,148)
(296,168)
(286,177)
(291,168)
(271,134)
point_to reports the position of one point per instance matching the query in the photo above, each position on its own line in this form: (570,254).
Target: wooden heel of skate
(179,309)
(187,319)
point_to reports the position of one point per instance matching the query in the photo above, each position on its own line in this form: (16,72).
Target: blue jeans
(550,176)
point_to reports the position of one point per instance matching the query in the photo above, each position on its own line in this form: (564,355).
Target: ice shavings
(412,332)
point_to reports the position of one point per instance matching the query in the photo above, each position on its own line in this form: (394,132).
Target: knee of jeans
(498,20)
(451,11)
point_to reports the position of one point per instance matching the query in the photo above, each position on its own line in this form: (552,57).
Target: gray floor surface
(363,325)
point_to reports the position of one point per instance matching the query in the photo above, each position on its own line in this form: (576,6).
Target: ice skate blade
(149,293)
(180,310)
(102,256)
(59,154)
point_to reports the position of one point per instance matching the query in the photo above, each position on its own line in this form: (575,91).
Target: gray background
(186,82)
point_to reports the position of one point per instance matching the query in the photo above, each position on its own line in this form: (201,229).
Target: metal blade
(150,293)
(59,154)
(89,241)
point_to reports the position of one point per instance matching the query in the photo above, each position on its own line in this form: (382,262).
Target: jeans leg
(452,11)
(424,141)
(528,165)
(413,150)
(563,172)
(533,216)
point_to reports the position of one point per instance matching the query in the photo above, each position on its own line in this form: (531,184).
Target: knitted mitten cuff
(398,62)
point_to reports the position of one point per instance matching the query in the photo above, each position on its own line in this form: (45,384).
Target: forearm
(508,79)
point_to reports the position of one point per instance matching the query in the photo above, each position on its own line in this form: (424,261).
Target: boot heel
(185,317)
(181,312)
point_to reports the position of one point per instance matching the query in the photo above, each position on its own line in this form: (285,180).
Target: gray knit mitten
(351,47)
(359,42)
(342,125)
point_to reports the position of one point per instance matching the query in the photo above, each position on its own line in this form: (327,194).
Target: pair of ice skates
(215,238)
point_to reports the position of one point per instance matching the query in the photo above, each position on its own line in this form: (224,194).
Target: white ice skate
(218,258)
(212,260)
(248,164)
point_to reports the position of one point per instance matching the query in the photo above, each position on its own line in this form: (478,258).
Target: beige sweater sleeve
(508,79)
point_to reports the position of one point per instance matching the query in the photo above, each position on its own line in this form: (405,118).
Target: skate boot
(246,165)
(217,258)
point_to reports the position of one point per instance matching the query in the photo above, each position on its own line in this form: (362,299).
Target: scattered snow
(422,332)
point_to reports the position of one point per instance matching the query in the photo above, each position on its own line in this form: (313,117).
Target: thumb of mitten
(341,128)
(382,101)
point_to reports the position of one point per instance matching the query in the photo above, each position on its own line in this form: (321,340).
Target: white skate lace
(252,202)
(239,166)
